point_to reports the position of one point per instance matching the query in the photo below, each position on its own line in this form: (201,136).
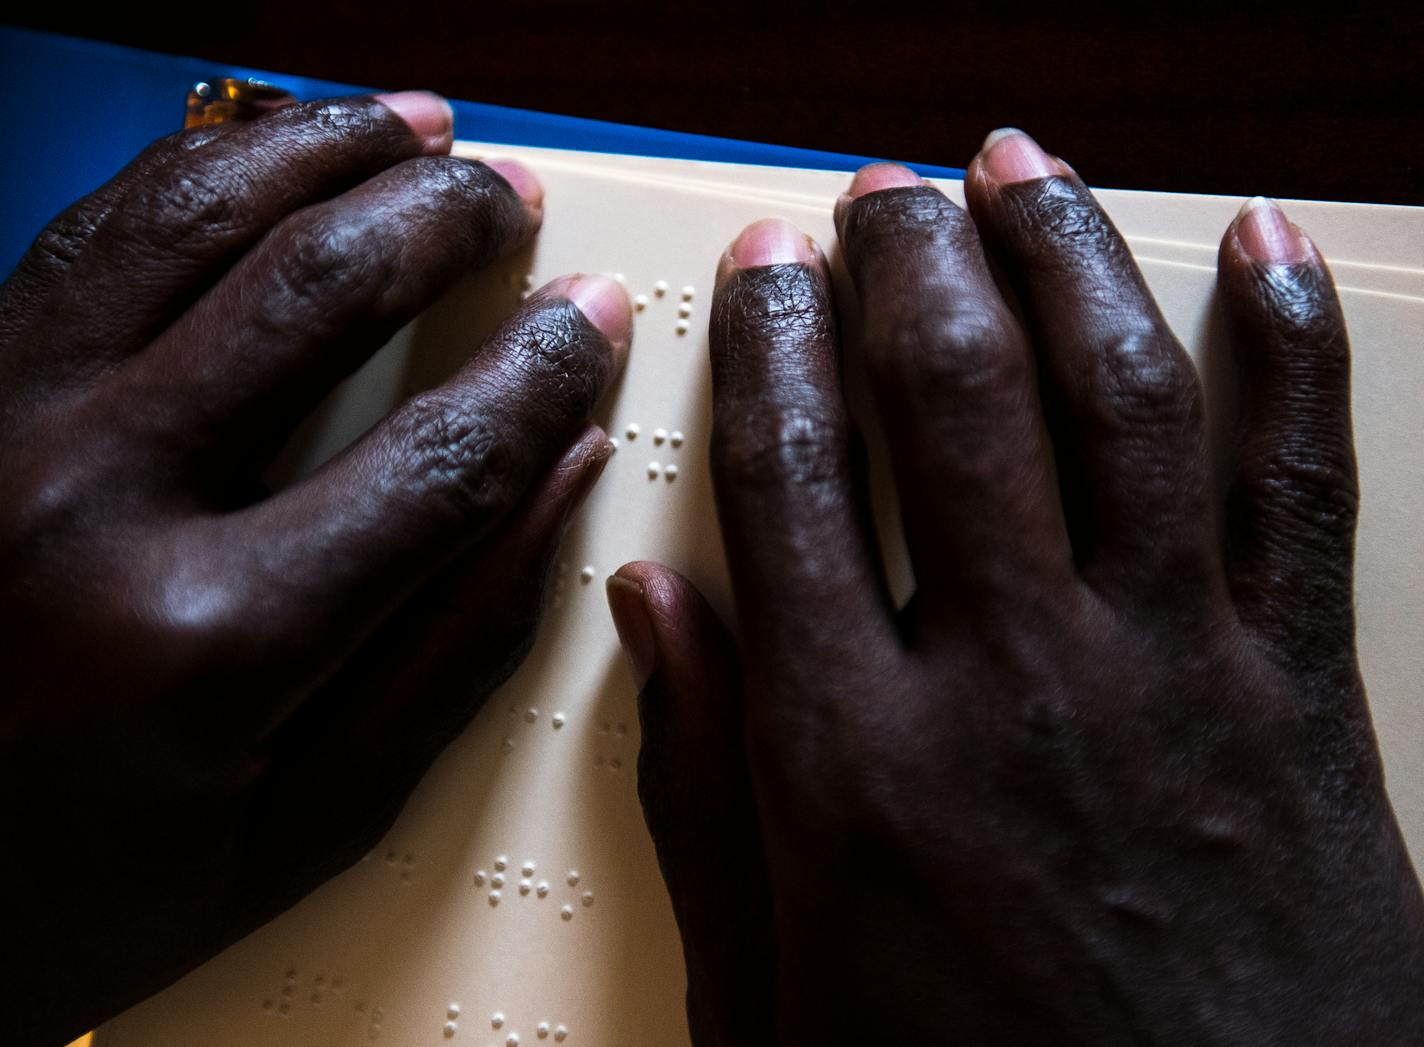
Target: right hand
(1109,777)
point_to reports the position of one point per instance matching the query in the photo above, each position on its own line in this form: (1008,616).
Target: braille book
(517,900)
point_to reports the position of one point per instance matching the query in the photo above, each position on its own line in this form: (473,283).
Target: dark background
(1201,97)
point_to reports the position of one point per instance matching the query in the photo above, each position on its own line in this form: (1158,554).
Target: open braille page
(517,901)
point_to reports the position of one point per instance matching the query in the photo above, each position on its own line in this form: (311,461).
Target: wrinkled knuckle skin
(1312,496)
(1141,380)
(186,212)
(779,446)
(333,257)
(453,458)
(949,357)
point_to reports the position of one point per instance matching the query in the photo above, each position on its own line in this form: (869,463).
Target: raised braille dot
(561,1034)
(587,899)
(512,1040)
(676,438)
(497,1019)
(616,763)
(284,1008)
(480,877)
(543,1030)
(659,435)
(449,1029)
(531,714)
(291,973)
(528,281)
(684,310)
(494,898)
(453,1011)
(632,431)
(528,867)
(620,278)
(681,327)
(654,470)
(410,859)
(687,292)
(640,302)
(542,890)
(507,746)
(586,575)
(660,288)
(566,913)
(501,862)
(524,886)
(573,878)
(613,443)
(497,880)
(557,720)
(622,728)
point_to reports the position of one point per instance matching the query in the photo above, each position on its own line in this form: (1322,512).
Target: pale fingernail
(1267,236)
(1008,155)
(629,607)
(427,114)
(771,241)
(522,180)
(874,177)
(604,301)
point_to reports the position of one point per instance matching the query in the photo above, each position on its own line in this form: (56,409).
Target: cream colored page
(1352,236)
(407,947)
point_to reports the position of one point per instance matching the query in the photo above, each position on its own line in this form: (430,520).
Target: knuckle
(333,255)
(454,460)
(780,446)
(186,212)
(1313,494)
(1141,378)
(953,357)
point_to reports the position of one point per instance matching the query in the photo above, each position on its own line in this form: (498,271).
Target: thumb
(698,801)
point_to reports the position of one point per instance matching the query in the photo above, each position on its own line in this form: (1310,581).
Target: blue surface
(79,110)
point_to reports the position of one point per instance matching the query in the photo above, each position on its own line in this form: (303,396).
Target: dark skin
(1108,778)
(193,663)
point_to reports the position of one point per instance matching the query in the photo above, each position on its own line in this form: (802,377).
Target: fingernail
(771,241)
(874,177)
(604,301)
(592,464)
(871,179)
(1267,235)
(522,180)
(1008,155)
(427,114)
(635,628)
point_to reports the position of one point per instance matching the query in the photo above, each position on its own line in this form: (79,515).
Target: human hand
(217,696)
(1109,777)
